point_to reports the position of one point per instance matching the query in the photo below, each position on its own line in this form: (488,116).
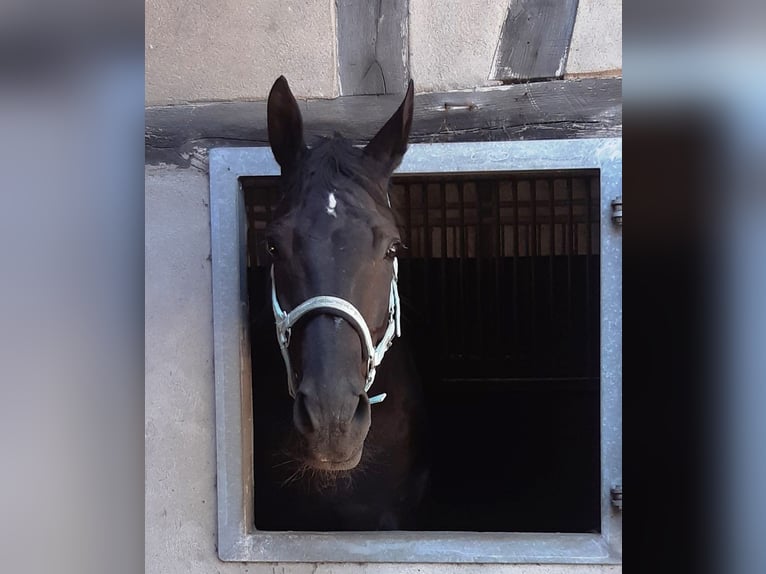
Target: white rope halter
(345,309)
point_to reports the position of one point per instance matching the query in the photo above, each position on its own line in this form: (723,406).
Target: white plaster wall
(234,49)
(180,410)
(453,42)
(179,405)
(596,44)
(197,50)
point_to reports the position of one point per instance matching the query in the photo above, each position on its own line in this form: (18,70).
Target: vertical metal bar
(564,237)
(463,304)
(427,259)
(533,262)
(499,311)
(426,222)
(480,245)
(576,236)
(410,238)
(445,322)
(538,224)
(552,249)
(516,254)
(251,236)
(570,247)
(588,232)
(256,239)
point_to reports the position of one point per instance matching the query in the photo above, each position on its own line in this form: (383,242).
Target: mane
(334,158)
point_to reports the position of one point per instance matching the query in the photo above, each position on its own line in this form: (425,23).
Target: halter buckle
(370,373)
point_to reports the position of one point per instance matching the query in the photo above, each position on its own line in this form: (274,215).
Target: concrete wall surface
(235,49)
(597,38)
(453,42)
(180,409)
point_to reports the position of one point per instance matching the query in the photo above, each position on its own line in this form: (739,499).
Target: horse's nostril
(302,417)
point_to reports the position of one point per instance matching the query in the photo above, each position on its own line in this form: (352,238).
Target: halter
(342,308)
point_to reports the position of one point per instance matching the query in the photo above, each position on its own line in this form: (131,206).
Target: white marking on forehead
(331,203)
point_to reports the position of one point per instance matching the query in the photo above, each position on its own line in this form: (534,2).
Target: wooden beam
(372,46)
(543,110)
(534,41)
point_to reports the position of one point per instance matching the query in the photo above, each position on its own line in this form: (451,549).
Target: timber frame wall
(557,109)
(373,67)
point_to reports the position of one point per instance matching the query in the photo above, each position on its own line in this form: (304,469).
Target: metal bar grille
(501,271)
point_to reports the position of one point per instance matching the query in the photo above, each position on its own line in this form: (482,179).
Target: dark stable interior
(500,292)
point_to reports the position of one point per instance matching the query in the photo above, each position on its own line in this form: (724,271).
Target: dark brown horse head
(333,237)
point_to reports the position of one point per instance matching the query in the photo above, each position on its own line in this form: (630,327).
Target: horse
(341,446)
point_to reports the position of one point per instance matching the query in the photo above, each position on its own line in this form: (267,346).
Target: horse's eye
(272,249)
(394,249)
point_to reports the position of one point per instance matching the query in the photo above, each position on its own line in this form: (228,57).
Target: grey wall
(199,50)
(597,39)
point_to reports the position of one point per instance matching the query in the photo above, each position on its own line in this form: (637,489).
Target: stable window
(512,286)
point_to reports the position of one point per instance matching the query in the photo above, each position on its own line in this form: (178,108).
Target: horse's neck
(397,374)
(397,422)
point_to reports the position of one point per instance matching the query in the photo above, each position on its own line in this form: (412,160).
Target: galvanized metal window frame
(238,540)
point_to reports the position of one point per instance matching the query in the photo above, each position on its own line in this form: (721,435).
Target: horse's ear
(285,124)
(390,143)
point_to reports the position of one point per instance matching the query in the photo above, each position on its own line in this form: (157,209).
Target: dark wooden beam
(534,41)
(543,110)
(372,46)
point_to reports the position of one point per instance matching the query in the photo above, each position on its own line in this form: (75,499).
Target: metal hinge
(617,210)
(617,496)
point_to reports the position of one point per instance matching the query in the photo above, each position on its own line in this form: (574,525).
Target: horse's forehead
(335,208)
(331,204)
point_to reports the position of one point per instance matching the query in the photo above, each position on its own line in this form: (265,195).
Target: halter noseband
(342,308)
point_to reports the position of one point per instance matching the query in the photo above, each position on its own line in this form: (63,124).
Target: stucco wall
(597,38)
(180,407)
(235,49)
(452,42)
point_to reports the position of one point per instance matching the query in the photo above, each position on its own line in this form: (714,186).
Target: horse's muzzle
(323,463)
(332,441)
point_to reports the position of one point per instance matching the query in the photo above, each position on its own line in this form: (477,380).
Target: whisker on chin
(283,463)
(295,476)
(300,473)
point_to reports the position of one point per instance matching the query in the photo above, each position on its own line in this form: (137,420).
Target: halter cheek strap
(342,308)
